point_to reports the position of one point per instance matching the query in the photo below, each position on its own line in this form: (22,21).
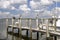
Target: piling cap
(13,17)
(18,18)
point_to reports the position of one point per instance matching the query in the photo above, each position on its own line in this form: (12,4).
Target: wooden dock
(48,30)
(40,30)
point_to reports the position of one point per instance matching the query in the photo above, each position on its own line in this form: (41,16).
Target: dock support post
(17,38)
(42,23)
(47,30)
(55,24)
(37,23)
(30,30)
(26,32)
(7,27)
(26,26)
(37,35)
(12,27)
(20,31)
(55,37)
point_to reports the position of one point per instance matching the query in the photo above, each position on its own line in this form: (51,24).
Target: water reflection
(24,36)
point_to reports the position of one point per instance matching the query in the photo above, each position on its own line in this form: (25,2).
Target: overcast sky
(29,8)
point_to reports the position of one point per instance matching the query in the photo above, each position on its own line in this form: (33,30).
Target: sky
(29,8)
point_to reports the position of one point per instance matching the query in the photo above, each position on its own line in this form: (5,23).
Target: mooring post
(37,22)
(37,25)
(30,29)
(7,27)
(42,23)
(55,37)
(55,24)
(17,27)
(47,30)
(37,35)
(27,33)
(20,31)
(12,27)
(26,26)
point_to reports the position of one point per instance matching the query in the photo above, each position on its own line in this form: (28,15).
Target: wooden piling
(42,23)
(30,29)
(20,31)
(37,35)
(47,30)
(55,24)
(12,27)
(55,37)
(37,25)
(7,27)
(26,26)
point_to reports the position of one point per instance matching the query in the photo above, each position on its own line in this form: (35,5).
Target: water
(34,34)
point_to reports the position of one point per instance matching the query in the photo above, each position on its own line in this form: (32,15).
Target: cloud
(56,8)
(24,7)
(35,4)
(50,13)
(56,0)
(56,11)
(26,10)
(16,15)
(18,1)
(4,14)
(36,0)
(11,8)
(4,4)
(8,14)
(8,4)
(43,13)
(32,14)
(46,2)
